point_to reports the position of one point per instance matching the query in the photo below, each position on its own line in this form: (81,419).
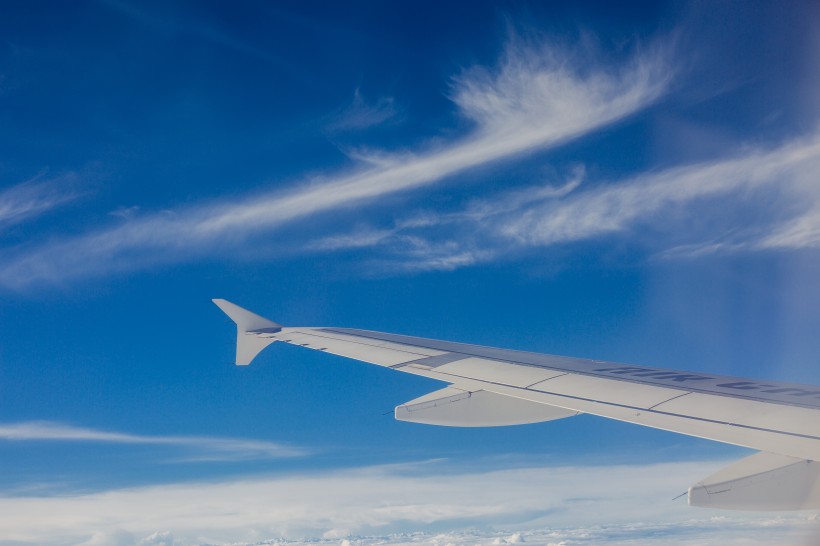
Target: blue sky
(634,183)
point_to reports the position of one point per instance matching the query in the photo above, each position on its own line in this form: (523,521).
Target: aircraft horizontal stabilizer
(454,407)
(763,481)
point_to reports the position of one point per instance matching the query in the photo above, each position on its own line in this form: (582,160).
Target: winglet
(248,326)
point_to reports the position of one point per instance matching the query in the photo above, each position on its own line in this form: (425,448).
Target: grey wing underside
(494,387)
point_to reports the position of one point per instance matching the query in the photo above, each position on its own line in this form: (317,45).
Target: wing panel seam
(547,379)
(362,344)
(639,409)
(625,379)
(665,401)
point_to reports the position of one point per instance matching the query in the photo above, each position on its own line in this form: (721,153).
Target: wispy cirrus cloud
(755,200)
(665,200)
(539,97)
(198,448)
(632,505)
(33,198)
(802,231)
(409,240)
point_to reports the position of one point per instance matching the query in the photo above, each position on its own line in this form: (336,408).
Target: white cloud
(541,95)
(535,100)
(358,239)
(34,197)
(160,538)
(404,504)
(203,448)
(651,198)
(419,254)
(514,538)
(803,231)
(410,250)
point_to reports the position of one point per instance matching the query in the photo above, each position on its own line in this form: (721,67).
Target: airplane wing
(496,387)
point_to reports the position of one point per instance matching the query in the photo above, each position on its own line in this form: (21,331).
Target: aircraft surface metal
(495,387)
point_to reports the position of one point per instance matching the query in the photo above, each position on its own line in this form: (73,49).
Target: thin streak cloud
(204,448)
(33,198)
(613,208)
(532,102)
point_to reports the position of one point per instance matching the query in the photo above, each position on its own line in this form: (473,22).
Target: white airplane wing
(495,387)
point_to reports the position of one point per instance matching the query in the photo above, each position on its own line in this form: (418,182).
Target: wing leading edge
(496,387)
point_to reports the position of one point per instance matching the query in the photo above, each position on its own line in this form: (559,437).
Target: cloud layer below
(564,505)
